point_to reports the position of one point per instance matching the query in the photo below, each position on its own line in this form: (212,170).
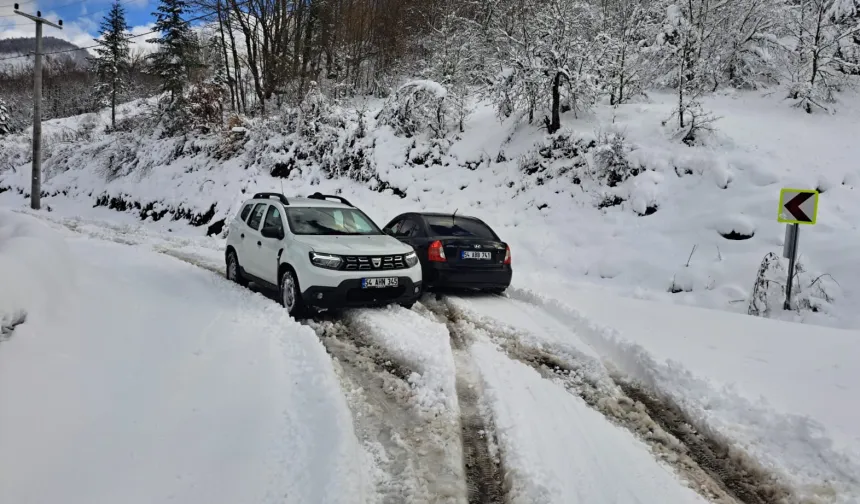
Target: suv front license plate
(378,283)
(476,255)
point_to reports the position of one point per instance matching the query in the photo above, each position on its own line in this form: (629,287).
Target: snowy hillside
(611,200)
(13,47)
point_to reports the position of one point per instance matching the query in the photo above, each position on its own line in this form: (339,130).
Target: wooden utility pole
(36,177)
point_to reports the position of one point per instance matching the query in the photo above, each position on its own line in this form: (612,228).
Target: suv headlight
(327,261)
(411,259)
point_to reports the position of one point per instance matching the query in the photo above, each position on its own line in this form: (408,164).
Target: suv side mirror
(388,231)
(270,232)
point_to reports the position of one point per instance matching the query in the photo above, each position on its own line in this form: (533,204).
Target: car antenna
(282,184)
(453,215)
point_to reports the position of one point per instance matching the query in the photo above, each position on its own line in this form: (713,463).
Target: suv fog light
(319,296)
(416,290)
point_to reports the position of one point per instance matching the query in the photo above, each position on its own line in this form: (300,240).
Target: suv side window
(273,220)
(256,216)
(245,212)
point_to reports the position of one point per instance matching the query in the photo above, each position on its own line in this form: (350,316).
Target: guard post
(796,206)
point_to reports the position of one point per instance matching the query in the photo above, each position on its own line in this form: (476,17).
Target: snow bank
(784,393)
(422,345)
(168,383)
(37,273)
(557,449)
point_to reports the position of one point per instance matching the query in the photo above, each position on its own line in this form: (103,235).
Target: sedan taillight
(436,252)
(507,254)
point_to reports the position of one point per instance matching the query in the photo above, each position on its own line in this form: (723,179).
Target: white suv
(319,254)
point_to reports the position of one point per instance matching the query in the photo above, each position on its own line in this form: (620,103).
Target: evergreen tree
(177,54)
(113,59)
(5,121)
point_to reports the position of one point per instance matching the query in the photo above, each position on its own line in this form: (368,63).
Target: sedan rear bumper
(443,275)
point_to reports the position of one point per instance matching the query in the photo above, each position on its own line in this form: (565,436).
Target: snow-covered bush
(233,139)
(611,165)
(767,290)
(205,106)
(809,292)
(317,116)
(87,126)
(418,106)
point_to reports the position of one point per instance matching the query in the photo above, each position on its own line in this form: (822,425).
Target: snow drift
(37,273)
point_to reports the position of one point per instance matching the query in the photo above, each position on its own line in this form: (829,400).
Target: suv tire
(290,294)
(234,271)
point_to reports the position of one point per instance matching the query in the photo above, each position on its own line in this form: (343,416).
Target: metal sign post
(796,206)
(36,176)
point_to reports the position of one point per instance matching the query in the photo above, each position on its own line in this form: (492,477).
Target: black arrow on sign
(793,207)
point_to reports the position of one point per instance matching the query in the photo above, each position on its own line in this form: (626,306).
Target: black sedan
(456,251)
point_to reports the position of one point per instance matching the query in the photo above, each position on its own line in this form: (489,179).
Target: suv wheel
(234,272)
(290,295)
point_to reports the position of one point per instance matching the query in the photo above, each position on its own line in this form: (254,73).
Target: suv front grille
(374,263)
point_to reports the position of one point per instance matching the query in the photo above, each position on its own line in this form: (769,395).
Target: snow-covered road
(162,382)
(145,376)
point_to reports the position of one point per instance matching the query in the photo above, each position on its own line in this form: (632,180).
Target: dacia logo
(376,262)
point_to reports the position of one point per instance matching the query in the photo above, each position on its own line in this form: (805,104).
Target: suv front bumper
(350,294)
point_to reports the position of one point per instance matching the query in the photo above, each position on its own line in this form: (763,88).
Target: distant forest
(67,80)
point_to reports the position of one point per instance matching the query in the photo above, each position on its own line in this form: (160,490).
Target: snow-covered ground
(786,394)
(137,377)
(498,171)
(560,450)
(173,382)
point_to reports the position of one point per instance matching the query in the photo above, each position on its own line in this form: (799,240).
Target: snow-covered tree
(5,120)
(544,48)
(680,48)
(746,39)
(628,26)
(456,60)
(177,53)
(817,62)
(112,59)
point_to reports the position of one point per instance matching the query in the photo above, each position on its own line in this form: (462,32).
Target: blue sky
(81,18)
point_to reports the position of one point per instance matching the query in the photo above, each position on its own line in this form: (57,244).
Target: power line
(19,3)
(198,18)
(76,2)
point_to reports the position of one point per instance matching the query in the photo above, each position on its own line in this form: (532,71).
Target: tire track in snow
(416,453)
(482,459)
(719,473)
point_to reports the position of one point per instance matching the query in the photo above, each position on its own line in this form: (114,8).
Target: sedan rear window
(330,221)
(459,226)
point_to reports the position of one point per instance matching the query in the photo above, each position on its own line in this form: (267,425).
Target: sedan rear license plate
(378,283)
(476,255)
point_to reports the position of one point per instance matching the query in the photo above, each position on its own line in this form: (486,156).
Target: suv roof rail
(268,195)
(320,196)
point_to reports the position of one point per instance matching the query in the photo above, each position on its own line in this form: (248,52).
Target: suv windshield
(444,225)
(330,221)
